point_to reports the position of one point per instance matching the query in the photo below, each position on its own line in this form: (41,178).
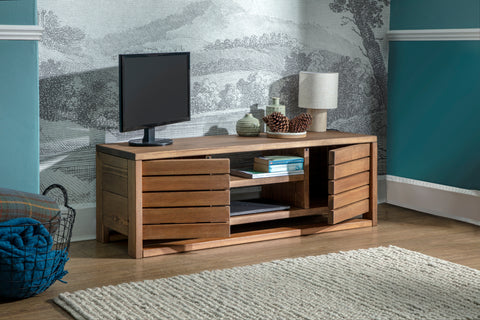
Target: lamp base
(319,120)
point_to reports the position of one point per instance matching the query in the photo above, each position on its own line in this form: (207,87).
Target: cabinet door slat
(178,183)
(350,153)
(185,167)
(186,215)
(348,212)
(348,183)
(186,199)
(342,199)
(348,168)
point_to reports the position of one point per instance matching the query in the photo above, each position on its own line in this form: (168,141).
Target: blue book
(269,160)
(293,166)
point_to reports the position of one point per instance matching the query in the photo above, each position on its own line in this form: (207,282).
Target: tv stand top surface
(206,145)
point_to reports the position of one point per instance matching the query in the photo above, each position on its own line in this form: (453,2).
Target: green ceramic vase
(275,107)
(248,126)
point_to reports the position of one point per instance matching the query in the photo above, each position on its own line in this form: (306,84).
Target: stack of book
(272,166)
(278,164)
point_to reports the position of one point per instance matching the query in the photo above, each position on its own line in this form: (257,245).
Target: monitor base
(149,140)
(157,142)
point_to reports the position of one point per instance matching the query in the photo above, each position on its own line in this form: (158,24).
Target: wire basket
(32,253)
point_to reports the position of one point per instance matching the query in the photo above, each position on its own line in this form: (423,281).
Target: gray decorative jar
(248,126)
(275,107)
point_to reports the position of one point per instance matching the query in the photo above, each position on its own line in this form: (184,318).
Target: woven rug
(377,283)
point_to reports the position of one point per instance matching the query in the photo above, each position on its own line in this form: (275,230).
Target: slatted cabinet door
(186,198)
(349,182)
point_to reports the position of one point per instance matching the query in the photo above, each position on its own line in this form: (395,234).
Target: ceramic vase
(275,107)
(248,126)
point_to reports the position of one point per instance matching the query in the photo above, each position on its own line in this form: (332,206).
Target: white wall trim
(445,201)
(84,227)
(382,188)
(20,32)
(434,34)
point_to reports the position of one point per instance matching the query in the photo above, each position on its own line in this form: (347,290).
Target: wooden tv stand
(176,198)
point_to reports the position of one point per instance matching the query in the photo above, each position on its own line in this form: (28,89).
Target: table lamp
(318,92)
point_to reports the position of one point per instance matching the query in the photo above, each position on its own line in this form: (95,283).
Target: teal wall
(18,12)
(434,99)
(19,106)
(434,14)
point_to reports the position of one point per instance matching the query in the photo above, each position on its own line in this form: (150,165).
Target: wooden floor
(93,264)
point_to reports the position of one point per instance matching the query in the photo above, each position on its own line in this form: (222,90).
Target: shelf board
(275,215)
(236,182)
(250,236)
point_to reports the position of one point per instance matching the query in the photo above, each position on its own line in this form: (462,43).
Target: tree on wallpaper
(367,15)
(240,58)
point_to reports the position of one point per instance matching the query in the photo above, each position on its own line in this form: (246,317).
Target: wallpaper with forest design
(242,53)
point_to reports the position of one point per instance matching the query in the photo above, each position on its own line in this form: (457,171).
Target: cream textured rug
(377,283)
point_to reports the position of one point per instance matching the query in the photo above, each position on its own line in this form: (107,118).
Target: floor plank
(94,264)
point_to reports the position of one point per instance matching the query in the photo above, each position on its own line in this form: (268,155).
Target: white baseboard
(84,227)
(382,189)
(450,202)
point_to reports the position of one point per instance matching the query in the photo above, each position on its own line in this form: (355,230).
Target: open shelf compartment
(276,215)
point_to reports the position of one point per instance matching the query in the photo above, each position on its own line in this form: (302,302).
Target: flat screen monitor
(154,91)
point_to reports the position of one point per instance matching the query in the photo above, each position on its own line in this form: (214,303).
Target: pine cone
(277,122)
(300,123)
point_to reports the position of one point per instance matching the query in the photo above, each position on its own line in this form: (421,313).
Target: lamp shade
(318,90)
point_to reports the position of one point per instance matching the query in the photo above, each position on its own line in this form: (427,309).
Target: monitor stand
(149,139)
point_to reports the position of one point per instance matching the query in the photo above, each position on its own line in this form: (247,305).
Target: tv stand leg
(135,218)
(104,235)
(372,214)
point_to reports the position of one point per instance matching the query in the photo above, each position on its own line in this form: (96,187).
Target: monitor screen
(154,89)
